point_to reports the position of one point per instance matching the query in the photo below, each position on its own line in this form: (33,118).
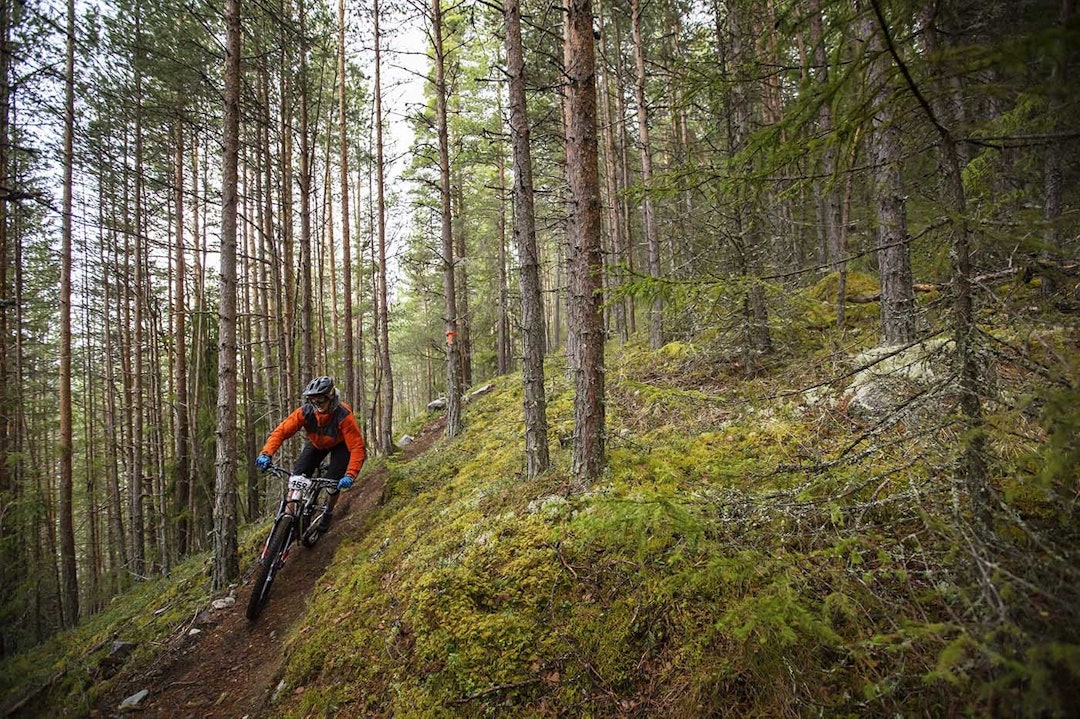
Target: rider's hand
(345,482)
(263,462)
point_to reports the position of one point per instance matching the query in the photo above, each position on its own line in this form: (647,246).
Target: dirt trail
(230,669)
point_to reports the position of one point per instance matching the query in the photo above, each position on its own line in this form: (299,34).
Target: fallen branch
(495,690)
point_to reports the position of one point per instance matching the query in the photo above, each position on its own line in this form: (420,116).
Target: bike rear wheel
(268,566)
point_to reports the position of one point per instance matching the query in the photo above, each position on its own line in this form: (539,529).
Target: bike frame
(296,507)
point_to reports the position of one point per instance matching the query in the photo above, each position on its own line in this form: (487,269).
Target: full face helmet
(320,392)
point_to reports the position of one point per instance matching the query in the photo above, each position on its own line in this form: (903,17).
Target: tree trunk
(461,269)
(70,585)
(351,393)
(532,305)
(648,218)
(226,557)
(502,331)
(386,376)
(834,251)
(975,472)
(118,556)
(609,130)
(450,317)
(585,296)
(135,400)
(1053,174)
(897,295)
(307,324)
(181,469)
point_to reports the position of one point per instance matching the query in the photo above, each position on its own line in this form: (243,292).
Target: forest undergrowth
(756,547)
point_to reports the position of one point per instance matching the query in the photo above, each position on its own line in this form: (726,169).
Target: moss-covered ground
(752,550)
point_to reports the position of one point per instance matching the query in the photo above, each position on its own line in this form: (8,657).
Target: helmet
(319,385)
(321,394)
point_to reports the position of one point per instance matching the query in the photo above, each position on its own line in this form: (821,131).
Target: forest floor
(231,667)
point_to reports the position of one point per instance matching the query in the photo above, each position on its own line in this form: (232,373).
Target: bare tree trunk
(118,556)
(648,217)
(201,518)
(450,310)
(361,354)
(831,213)
(249,273)
(70,589)
(351,390)
(386,377)
(226,557)
(897,294)
(180,466)
(609,130)
(585,300)
(502,339)
(461,284)
(287,319)
(621,151)
(532,305)
(135,398)
(307,325)
(1053,174)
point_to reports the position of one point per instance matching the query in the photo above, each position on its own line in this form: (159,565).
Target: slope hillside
(791,538)
(170,649)
(791,541)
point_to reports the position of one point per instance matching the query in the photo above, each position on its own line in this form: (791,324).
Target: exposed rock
(223,603)
(437,405)
(133,701)
(479,392)
(204,618)
(406,441)
(889,377)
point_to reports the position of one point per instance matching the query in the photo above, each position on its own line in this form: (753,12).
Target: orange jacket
(325,430)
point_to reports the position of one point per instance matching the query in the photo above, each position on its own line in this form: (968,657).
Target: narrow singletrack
(231,667)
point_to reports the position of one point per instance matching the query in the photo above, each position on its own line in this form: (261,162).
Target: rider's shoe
(324,521)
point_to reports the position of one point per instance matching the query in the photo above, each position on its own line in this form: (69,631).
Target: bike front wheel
(313,530)
(268,566)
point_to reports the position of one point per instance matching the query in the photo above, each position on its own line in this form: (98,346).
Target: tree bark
(226,557)
(69,570)
(135,348)
(502,327)
(181,469)
(897,297)
(346,248)
(386,375)
(585,296)
(307,324)
(454,423)
(648,216)
(834,250)
(532,306)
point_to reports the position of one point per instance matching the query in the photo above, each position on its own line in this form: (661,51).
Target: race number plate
(299,483)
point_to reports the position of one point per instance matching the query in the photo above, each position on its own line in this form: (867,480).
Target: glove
(263,462)
(345,483)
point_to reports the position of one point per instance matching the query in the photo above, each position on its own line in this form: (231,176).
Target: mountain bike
(303,503)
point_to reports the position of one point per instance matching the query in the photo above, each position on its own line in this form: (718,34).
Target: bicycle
(303,503)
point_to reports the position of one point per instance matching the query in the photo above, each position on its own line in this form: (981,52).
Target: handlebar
(286,474)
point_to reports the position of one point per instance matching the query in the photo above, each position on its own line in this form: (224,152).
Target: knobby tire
(264,577)
(312,532)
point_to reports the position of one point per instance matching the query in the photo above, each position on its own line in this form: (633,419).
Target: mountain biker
(331,428)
